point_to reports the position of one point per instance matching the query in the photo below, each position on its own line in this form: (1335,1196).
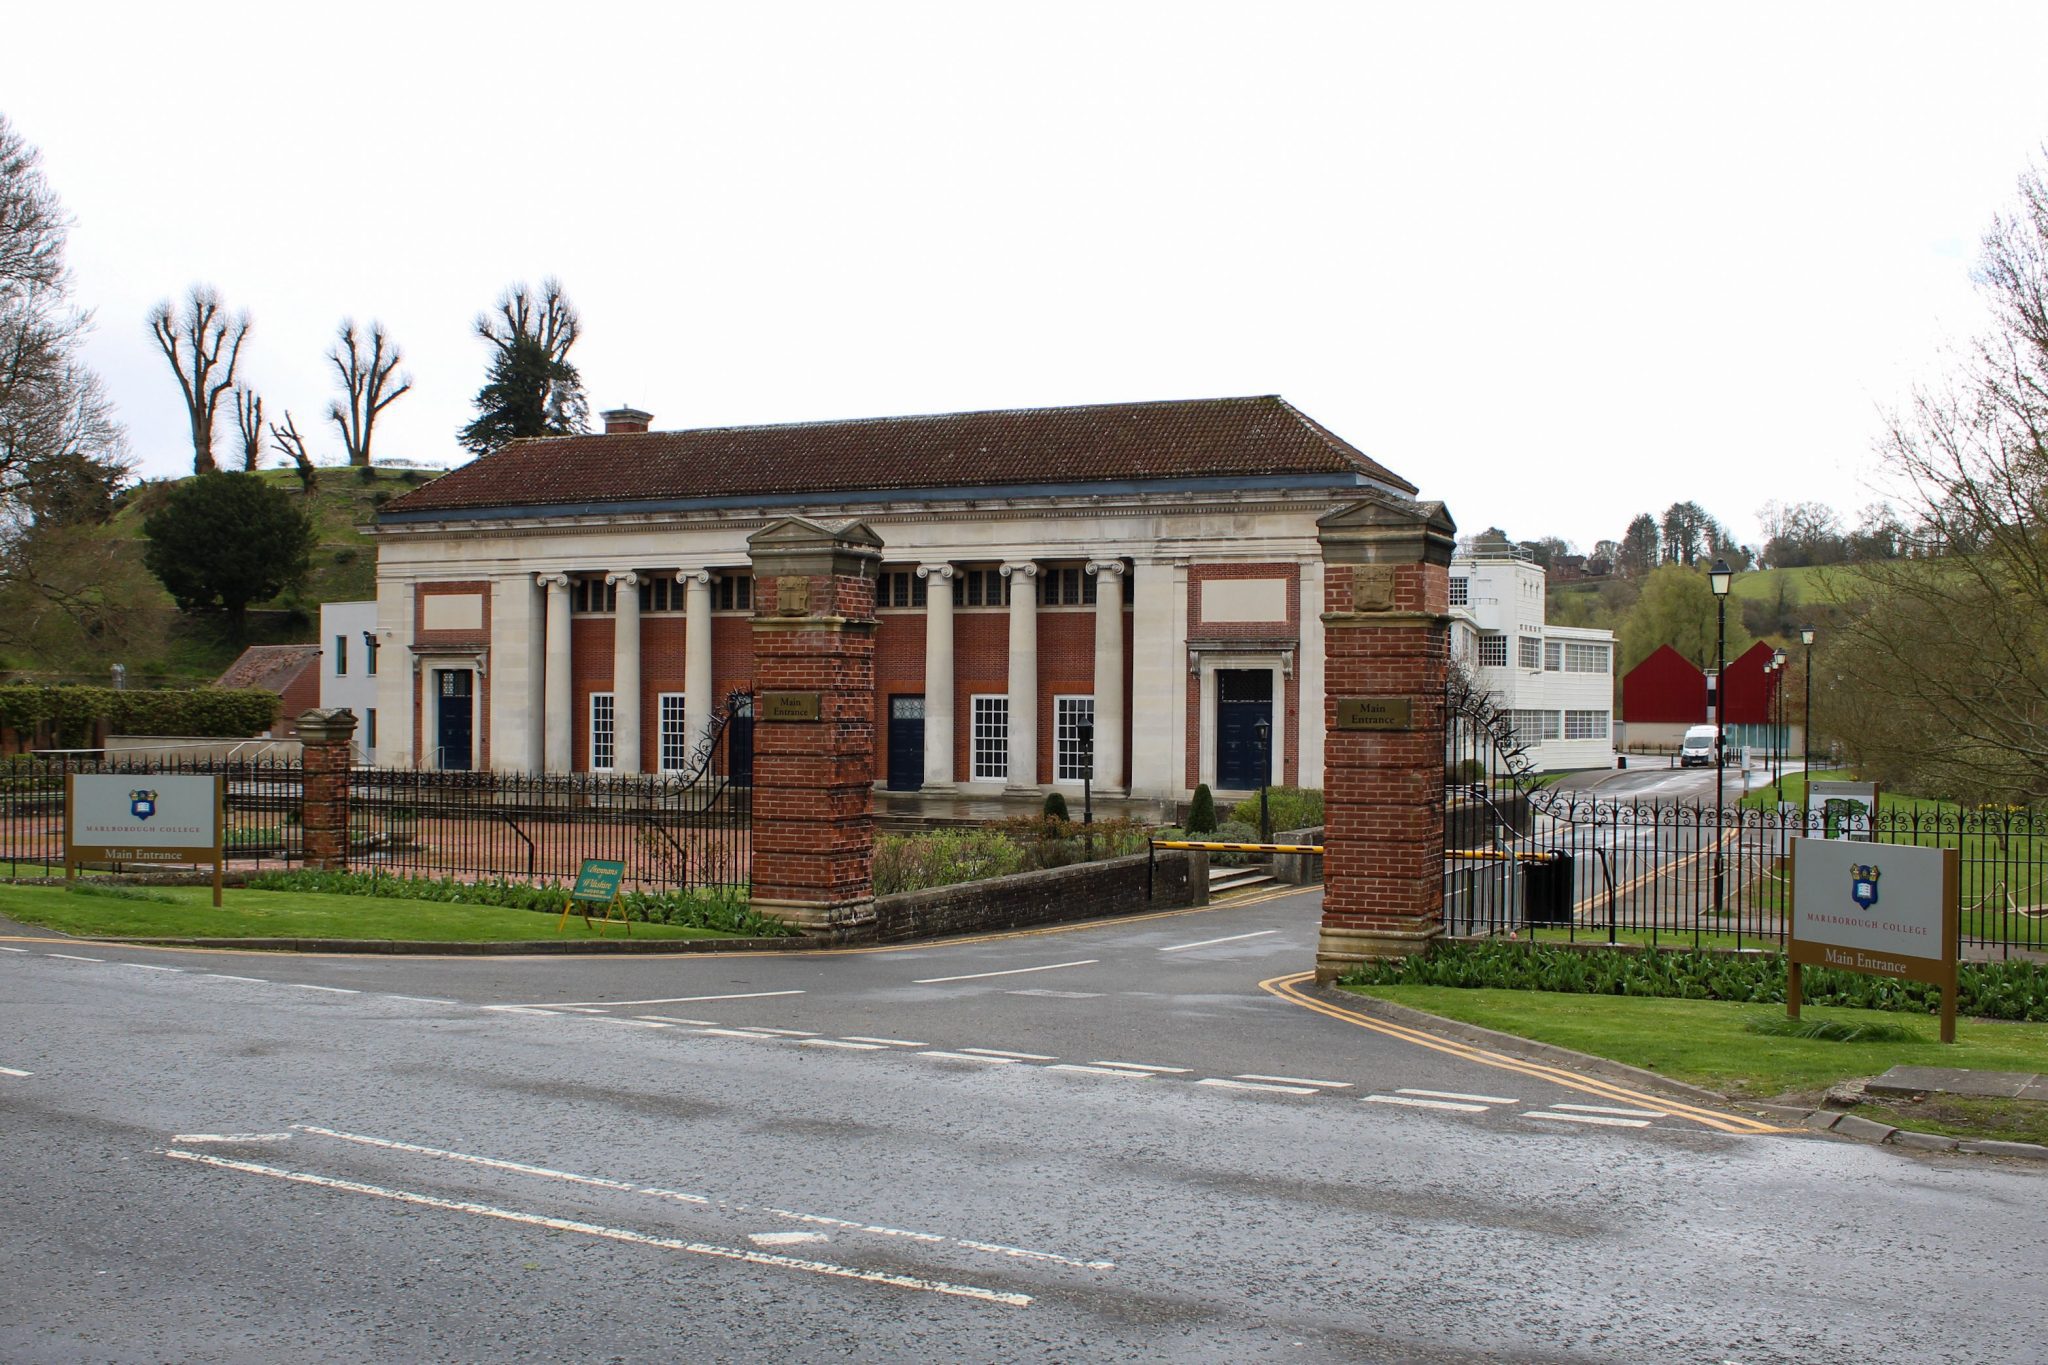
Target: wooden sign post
(143,818)
(597,883)
(1885,909)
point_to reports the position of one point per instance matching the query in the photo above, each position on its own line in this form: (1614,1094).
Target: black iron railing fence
(262,799)
(671,834)
(1657,871)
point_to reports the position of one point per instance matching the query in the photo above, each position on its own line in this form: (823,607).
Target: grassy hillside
(159,644)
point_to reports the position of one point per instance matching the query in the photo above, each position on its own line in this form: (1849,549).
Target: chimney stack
(626,420)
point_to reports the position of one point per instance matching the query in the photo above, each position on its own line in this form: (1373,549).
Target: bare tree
(531,389)
(249,422)
(366,383)
(292,445)
(203,345)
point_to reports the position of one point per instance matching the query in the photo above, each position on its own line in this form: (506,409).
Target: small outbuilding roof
(1230,438)
(269,667)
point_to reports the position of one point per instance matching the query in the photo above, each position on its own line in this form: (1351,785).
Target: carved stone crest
(792,595)
(1372,587)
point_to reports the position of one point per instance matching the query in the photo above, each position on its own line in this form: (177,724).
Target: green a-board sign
(597,882)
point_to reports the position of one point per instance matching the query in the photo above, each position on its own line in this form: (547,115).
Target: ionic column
(558,699)
(938,674)
(1023,581)
(1109,672)
(626,672)
(697,699)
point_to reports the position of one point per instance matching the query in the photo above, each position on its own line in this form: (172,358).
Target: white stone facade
(1558,680)
(351,668)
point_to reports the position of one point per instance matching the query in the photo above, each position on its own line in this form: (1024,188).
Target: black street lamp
(1806,734)
(1720,577)
(1087,736)
(1263,729)
(1778,723)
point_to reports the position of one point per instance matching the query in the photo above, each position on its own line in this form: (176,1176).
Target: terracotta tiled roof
(270,667)
(1117,442)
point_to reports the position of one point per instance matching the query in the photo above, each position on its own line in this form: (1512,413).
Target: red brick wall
(899,668)
(1066,667)
(981,666)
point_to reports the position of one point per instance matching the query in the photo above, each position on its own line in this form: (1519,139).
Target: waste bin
(1621,760)
(1547,890)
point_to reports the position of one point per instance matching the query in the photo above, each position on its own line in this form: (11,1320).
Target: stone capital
(329,725)
(944,573)
(1384,529)
(798,545)
(1100,566)
(624,578)
(698,577)
(553,582)
(1027,568)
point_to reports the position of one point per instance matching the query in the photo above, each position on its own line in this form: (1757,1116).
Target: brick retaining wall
(1114,886)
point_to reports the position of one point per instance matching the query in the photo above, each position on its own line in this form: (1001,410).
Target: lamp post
(1806,734)
(1778,722)
(1264,730)
(1720,577)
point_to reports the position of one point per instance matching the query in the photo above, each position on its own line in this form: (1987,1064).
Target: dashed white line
(664,1000)
(1100,1071)
(739,1033)
(1411,1102)
(11,1071)
(252,980)
(498,1164)
(970,1057)
(843,1044)
(1600,1119)
(1061,995)
(610,1233)
(1019,1056)
(626,1023)
(1234,938)
(1457,1095)
(1295,1080)
(886,1042)
(422,999)
(1618,1113)
(332,990)
(5,949)
(150,967)
(74,957)
(1258,1085)
(191,1138)
(671,1019)
(785,1239)
(783,1032)
(1146,1066)
(1014,971)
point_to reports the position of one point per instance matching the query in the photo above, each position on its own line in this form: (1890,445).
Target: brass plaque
(1375,713)
(789,706)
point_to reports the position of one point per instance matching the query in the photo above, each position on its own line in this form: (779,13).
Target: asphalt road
(1104,1143)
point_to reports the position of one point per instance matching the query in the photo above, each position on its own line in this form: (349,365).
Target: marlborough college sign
(1881,909)
(142,818)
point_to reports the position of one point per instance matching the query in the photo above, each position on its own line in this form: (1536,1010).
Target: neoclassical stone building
(582,603)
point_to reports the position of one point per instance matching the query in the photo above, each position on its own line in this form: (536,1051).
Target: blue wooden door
(1244,697)
(906,743)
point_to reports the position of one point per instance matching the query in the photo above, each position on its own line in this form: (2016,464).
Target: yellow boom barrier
(1489,855)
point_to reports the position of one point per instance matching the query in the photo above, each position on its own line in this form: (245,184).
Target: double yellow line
(1288,988)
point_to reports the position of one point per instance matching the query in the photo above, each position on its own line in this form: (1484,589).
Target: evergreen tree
(222,541)
(531,388)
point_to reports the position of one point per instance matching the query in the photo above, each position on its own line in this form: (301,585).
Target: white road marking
(1061,995)
(739,1033)
(1413,1103)
(74,957)
(10,1071)
(626,1023)
(784,1032)
(761,1258)
(822,1221)
(1002,1250)
(664,1000)
(576,1009)
(785,1239)
(230,1137)
(1295,1080)
(839,1043)
(970,1057)
(890,1042)
(1455,1095)
(1001,1052)
(422,999)
(252,980)
(150,967)
(1600,1119)
(1258,1085)
(1014,971)
(1100,1071)
(6,949)
(335,990)
(530,1010)
(1234,938)
(1618,1113)
(1146,1066)
(497,1164)
(671,1019)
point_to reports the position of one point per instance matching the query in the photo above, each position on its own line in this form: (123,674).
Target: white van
(1697,749)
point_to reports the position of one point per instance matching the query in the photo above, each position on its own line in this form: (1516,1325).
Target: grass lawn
(188,912)
(1704,1041)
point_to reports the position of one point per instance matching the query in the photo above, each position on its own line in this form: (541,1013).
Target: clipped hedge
(2014,990)
(726,912)
(211,712)
(1289,807)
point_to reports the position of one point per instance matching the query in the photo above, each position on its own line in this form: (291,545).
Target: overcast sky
(1555,264)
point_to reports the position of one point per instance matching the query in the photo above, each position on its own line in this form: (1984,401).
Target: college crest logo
(1863,884)
(142,804)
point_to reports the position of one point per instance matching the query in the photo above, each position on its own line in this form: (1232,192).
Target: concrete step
(1226,879)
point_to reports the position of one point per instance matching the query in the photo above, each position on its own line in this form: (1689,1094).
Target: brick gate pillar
(1386,622)
(329,753)
(814,724)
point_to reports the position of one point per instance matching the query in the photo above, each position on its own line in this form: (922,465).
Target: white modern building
(350,662)
(1557,680)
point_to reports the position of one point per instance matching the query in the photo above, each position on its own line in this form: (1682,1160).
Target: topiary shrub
(1202,811)
(1055,806)
(1234,832)
(1291,808)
